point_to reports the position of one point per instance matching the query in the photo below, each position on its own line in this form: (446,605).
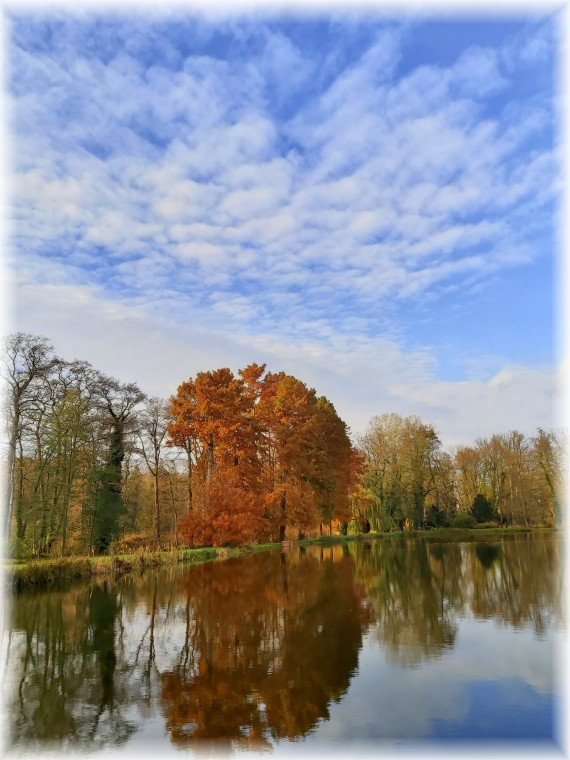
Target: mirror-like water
(362,642)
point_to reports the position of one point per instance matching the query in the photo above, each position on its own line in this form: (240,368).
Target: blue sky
(367,202)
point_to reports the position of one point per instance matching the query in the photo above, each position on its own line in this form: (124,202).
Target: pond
(362,645)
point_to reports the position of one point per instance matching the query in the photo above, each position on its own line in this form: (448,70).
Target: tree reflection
(521,586)
(66,675)
(249,651)
(412,593)
(418,590)
(271,647)
(487,554)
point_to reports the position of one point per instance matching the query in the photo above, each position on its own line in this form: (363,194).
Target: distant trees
(410,482)
(69,427)
(408,479)
(27,361)
(522,479)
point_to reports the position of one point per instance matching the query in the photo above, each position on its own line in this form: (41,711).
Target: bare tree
(26,359)
(153,427)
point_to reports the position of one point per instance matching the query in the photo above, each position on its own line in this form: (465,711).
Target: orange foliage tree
(267,458)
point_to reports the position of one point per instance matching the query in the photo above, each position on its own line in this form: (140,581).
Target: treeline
(410,481)
(93,464)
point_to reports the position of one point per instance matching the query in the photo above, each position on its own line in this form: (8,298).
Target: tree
(118,402)
(334,477)
(287,410)
(182,430)
(549,453)
(27,359)
(482,509)
(152,430)
(406,474)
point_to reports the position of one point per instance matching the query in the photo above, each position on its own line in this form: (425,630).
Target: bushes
(464,521)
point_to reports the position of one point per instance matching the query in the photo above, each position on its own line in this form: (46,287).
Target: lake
(362,645)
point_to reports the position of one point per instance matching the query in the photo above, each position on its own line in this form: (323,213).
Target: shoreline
(41,573)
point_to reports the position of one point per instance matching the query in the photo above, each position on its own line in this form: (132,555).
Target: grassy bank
(50,571)
(434,534)
(475,534)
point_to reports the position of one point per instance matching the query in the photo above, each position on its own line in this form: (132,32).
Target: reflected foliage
(487,553)
(254,650)
(263,659)
(65,688)
(420,591)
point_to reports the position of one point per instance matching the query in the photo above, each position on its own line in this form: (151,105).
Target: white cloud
(362,376)
(181,177)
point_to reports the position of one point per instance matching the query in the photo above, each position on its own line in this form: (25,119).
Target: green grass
(329,540)
(45,572)
(50,571)
(470,534)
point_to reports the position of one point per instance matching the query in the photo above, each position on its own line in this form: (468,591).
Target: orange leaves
(182,410)
(269,455)
(231,516)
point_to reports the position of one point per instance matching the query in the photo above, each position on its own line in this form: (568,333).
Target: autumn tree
(287,410)
(334,477)
(549,454)
(406,473)
(182,431)
(520,477)
(215,413)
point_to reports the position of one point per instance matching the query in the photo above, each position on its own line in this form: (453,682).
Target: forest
(93,465)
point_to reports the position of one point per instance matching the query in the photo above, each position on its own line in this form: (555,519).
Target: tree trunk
(20,524)
(189,455)
(210,459)
(9,482)
(157,507)
(174,511)
(283,506)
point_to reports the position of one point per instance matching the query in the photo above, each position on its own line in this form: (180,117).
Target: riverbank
(50,571)
(43,572)
(433,534)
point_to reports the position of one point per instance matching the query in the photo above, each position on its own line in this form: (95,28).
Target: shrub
(489,524)
(18,549)
(483,509)
(464,521)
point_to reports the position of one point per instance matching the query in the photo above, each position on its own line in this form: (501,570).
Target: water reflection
(263,659)
(65,685)
(252,651)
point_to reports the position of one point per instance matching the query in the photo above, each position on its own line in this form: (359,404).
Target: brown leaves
(269,455)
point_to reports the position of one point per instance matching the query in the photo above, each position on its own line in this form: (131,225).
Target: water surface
(356,645)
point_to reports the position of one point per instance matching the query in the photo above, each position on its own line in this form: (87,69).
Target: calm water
(355,645)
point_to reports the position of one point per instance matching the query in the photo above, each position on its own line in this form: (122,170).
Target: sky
(369,201)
